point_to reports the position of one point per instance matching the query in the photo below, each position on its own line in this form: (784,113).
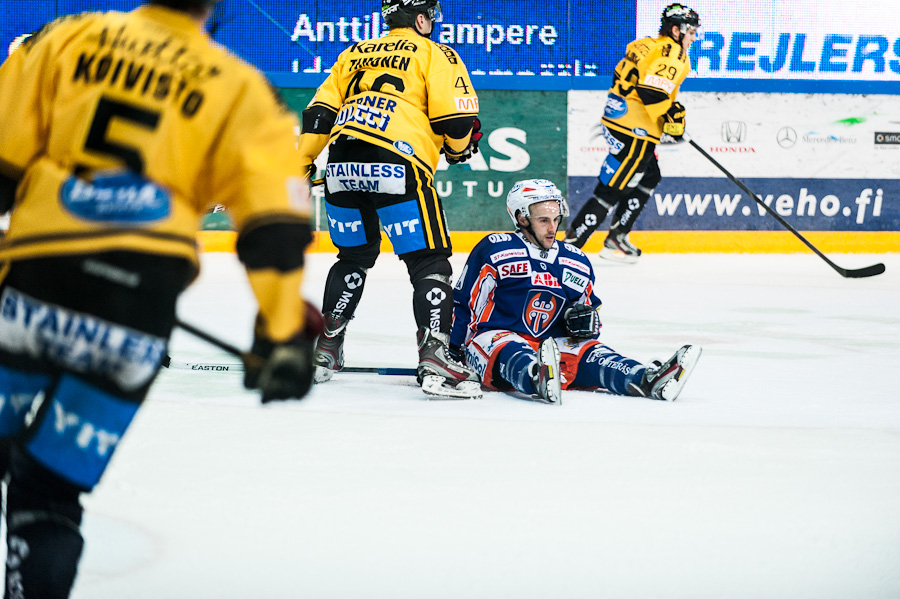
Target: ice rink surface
(776,473)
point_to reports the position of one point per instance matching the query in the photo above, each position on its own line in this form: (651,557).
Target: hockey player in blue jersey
(525,313)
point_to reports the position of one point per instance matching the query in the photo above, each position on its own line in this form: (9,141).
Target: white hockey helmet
(533,191)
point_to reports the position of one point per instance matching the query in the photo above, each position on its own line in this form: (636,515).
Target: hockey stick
(858,273)
(234,367)
(252,359)
(247,358)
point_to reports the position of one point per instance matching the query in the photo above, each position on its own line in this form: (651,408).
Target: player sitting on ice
(525,313)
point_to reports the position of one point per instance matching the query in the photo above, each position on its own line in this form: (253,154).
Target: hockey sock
(433,305)
(604,368)
(628,212)
(42,558)
(517,362)
(43,541)
(343,289)
(586,222)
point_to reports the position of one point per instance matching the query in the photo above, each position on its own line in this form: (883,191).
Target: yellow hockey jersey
(645,84)
(391,90)
(122,127)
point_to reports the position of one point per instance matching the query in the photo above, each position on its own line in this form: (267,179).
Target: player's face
(688,38)
(545,219)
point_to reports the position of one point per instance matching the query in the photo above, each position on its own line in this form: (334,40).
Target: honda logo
(734,132)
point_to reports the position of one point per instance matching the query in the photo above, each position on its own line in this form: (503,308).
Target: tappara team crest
(541,310)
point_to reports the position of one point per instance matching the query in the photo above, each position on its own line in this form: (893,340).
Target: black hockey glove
(673,121)
(582,321)
(471,149)
(284,370)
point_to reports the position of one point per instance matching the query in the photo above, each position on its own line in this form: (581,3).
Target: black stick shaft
(247,358)
(875,269)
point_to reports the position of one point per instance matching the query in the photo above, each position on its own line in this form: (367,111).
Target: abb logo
(544,279)
(515,269)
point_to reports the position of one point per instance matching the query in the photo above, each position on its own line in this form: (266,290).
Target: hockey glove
(582,321)
(471,149)
(284,370)
(673,121)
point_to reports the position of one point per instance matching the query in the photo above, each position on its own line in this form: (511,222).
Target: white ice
(776,474)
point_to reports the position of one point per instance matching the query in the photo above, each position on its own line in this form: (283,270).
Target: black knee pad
(363,256)
(422,264)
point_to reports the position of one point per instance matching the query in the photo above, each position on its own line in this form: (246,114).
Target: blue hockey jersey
(513,285)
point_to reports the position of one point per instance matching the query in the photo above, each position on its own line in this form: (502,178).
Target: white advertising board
(836,136)
(802,39)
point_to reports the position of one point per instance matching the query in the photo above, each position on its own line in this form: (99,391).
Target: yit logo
(786,137)
(734,132)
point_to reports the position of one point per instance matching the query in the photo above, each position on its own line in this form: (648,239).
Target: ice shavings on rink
(775,474)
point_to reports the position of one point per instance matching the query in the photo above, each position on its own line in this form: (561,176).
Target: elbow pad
(278,245)
(457,127)
(318,119)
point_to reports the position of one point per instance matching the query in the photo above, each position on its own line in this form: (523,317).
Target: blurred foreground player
(525,313)
(116,130)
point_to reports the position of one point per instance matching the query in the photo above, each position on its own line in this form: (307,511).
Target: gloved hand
(582,321)
(471,149)
(309,171)
(284,370)
(673,121)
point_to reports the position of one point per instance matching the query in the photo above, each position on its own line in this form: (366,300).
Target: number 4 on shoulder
(461,83)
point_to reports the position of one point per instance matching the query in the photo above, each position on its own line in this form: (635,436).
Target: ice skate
(546,376)
(329,355)
(439,374)
(617,248)
(665,381)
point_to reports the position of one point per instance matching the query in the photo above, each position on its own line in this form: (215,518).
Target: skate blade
(688,360)
(617,256)
(322,374)
(550,356)
(433,386)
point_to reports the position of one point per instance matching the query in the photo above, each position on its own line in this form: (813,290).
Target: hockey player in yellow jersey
(387,111)
(641,112)
(116,131)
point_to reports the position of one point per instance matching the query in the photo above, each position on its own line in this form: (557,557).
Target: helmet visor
(434,13)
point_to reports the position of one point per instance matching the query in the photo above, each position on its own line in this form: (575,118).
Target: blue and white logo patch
(615,146)
(608,169)
(403,226)
(376,177)
(345,226)
(404,147)
(121,198)
(616,106)
(639,132)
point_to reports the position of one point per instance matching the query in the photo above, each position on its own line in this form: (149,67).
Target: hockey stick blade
(850,273)
(239,368)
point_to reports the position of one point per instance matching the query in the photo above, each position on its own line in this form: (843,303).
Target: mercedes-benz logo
(786,137)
